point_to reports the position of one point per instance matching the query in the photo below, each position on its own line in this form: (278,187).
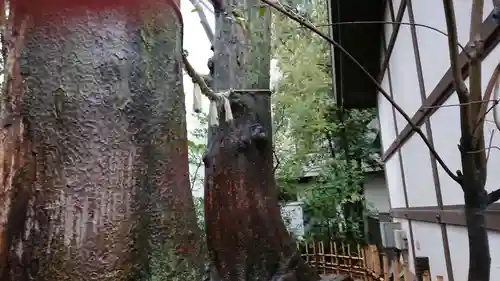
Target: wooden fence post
(395,268)
(425,276)
(322,256)
(364,263)
(337,262)
(385,261)
(378,266)
(361,263)
(406,272)
(349,260)
(315,255)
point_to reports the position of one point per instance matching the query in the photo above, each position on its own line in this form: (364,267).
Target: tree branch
(203,20)
(459,85)
(492,83)
(393,23)
(475,75)
(458,82)
(195,177)
(493,196)
(197,78)
(278,162)
(414,127)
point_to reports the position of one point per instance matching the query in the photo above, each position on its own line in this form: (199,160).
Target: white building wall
(429,243)
(418,173)
(460,254)
(404,81)
(445,122)
(445,127)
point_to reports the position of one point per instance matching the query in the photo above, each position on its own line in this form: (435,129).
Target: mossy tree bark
(247,238)
(94,161)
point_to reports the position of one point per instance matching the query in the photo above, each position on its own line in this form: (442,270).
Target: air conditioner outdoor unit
(387,232)
(400,240)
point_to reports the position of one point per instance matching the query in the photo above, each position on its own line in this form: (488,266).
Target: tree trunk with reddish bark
(94,158)
(246,236)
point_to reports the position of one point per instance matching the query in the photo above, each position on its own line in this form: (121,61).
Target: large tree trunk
(94,172)
(247,238)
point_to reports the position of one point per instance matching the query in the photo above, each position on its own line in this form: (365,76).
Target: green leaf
(262,11)
(195,10)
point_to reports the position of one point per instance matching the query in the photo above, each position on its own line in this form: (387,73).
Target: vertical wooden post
(332,256)
(315,255)
(349,259)
(366,253)
(336,257)
(364,263)
(395,268)
(322,256)
(385,261)
(425,276)
(376,260)
(406,272)
(307,251)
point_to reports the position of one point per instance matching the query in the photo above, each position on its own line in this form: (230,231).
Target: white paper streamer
(196,98)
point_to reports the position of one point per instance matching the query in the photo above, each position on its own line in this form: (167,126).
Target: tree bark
(247,238)
(99,189)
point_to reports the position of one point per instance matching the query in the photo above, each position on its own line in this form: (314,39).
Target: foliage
(196,148)
(199,208)
(312,136)
(195,154)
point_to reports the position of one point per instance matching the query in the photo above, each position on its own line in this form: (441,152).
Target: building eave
(353,89)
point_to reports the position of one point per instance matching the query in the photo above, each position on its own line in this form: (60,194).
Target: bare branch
(286,47)
(475,73)
(467,140)
(197,78)
(489,145)
(393,22)
(281,122)
(378,86)
(496,90)
(492,87)
(203,20)
(195,177)
(458,82)
(457,104)
(493,196)
(486,148)
(277,161)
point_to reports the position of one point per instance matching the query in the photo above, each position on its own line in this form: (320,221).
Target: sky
(198,47)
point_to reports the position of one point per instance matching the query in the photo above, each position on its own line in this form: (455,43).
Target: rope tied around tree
(200,88)
(216,98)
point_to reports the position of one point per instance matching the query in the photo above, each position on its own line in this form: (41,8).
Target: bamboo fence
(359,262)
